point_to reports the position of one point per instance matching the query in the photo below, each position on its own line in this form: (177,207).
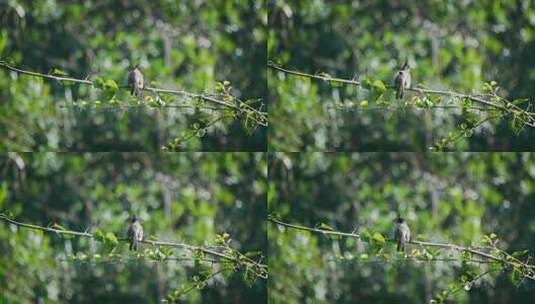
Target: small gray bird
(135,81)
(402,233)
(403,80)
(135,233)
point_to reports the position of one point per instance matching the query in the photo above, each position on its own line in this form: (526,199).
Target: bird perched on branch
(402,233)
(135,81)
(403,80)
(135,233)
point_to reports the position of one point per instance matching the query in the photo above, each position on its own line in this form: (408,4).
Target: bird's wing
(130,232)
(131,78)
(398,81)
(397,78)
(397,233)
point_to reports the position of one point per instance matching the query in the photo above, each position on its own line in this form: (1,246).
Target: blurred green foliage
(455,45)
(181,197)
(456,198)
(186,45)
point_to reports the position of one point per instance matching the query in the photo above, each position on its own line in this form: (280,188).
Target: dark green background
(209,41)
(181,197)
(456,45)
(446,197)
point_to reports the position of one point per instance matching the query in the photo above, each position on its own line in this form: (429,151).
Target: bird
(135,81)
(402,80)
(135,233)
(402,233)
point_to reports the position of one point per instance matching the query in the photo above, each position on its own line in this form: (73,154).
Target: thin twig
(193,286)
(112,260)
(380,260)
(173,145)
(471,282)
(315,230)
(88,107)
(396,108)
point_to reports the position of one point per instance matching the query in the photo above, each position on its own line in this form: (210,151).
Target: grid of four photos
(270,151)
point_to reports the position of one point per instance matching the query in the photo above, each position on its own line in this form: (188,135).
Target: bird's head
(134,218)
(400,220)
(406,66)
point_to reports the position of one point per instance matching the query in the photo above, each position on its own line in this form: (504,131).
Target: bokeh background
(181,197)
(455,45)
(446,197)
(185,45)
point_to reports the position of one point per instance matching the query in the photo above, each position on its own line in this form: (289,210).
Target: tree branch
(507,108)
(315,230)
(510,262)
(401,108)
(154,243)
(259,117)
(141,106)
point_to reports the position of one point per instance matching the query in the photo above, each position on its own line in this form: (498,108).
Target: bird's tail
(133,245)
(401,246)
(400,91)
(136,92)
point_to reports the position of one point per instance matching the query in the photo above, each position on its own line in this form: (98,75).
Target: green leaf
(515,276)
(253,254)
(379,86)
(58,72)
(153,238)
(520,253)
(365,236)
(99,236)
(167,251)
(108,95)
(57,226)
(516,124)
(110,237)
(520,101)
(378,237)
(377,89)
(487,87)
(98,83)
(323,226)
(366,83)
(111,84)
(200,133)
